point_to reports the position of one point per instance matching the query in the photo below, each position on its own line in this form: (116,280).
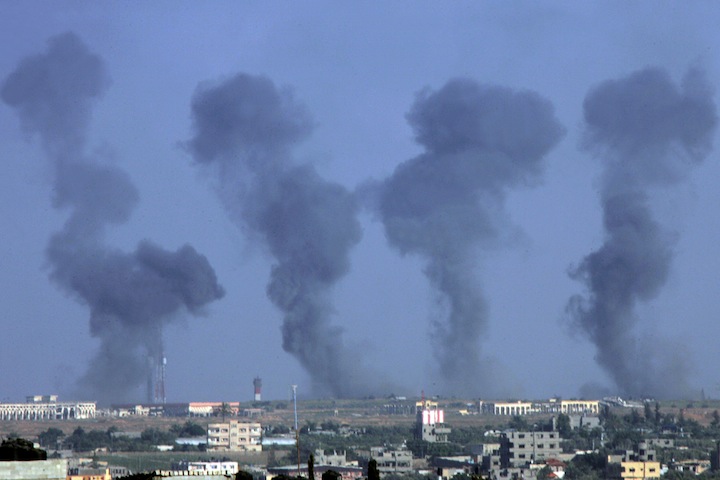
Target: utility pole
(297,431)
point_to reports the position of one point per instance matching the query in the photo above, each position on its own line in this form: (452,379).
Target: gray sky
(356,69)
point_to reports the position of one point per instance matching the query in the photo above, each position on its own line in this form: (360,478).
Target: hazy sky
(350,75)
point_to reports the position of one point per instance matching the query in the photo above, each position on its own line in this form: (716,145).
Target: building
(639,470)
(89,474)
(519,449)
(234,436)
(584,422)
(55,469)
(506,408)
(430,422)
(569,407)
(553,405)
(346,473)
(392,461)
(214,468)
(333,459)
(46,407)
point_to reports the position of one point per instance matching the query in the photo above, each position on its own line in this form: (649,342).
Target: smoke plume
(480,141)
(245,128)
(131,296)
(648,132)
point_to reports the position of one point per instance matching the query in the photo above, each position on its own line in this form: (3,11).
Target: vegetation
(19,449)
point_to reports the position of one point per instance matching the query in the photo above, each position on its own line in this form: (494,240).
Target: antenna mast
(297,432)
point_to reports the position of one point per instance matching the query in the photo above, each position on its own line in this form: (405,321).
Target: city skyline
(367,98)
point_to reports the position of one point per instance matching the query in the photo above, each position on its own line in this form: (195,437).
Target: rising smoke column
(480,141)
(245,129)
(130,295)
(648,132)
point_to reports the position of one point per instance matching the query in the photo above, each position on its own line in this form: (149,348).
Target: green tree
(243,475)
(330,475)
(544,473)
(19,449)
(50,437)
(563,426)
(311,467)
(518,423)
(372,471)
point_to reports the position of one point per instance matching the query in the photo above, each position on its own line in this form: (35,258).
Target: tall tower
(257,383)
(156,379)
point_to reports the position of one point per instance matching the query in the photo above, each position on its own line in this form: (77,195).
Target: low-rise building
(234,436)
(639,470)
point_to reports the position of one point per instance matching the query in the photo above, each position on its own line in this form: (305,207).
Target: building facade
(47,410)
(430,422)
(639,470)
(518,449)
(234,436)
(392,461)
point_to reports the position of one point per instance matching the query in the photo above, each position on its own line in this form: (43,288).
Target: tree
(311,467)
(225,410)
(563,425)
(330,475)
(19,449)
(243,475)
(518,423)
(544,473)
(50,437)
(372,472)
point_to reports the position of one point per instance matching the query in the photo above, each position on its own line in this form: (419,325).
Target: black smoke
(648,132)
(131,296)
(245,129)
(480,141)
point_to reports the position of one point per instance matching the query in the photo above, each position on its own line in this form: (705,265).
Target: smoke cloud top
(131,296)
(480,141)
(245,128)
(648,132)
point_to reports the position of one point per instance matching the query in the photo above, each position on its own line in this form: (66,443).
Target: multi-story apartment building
(234,436)
(430,422)
(392,461)
(518,449)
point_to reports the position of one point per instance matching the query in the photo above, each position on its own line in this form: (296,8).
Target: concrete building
(234,436)
(333,459)
(89,474)
(55,469)
(584,422)
(506,408)
(569,407)
(392,461)
(46,407)
(519,449)
(215,468)
(430,422)
(639,470)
